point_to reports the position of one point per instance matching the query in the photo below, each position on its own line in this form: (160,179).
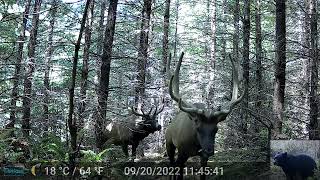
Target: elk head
(205,120)
(149,121)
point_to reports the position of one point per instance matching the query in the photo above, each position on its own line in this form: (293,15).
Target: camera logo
(14,171)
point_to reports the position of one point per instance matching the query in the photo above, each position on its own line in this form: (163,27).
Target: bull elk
(193,129)
(131,133)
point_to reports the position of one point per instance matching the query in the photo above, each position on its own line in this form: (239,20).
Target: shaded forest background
(70,67)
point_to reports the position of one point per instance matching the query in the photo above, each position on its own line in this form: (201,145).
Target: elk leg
(134,150)
(125,150)
(170,152)
(203,165)
(180,163)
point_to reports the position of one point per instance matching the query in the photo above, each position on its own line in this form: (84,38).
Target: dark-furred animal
(296,167)
(192,131)
(125,133)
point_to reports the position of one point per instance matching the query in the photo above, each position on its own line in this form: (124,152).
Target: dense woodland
(69,68)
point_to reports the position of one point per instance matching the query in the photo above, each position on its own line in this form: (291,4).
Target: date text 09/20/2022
(171,171)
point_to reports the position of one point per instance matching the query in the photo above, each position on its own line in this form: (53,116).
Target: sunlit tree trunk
(16,76)
(143,50)
(211,10)
(30,67)
(280,68)
(165,54)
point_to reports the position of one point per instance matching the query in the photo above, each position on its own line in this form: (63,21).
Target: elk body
(129,133)
(193,129)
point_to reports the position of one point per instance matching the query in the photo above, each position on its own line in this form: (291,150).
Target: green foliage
(91,156)
(51,148)
(109,154)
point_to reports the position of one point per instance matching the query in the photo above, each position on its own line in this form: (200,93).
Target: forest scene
(159,89)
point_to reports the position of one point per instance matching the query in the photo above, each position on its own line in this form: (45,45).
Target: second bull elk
(192,132)
(125,133)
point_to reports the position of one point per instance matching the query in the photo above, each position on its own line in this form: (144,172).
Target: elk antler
(139,114)
(174,91)
(136,112)
(156,112)
(234,100)
(189,108)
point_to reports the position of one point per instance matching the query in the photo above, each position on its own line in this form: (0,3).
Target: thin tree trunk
(213,34)
(48,56)
(30,66)
(165,48)
(246,52)
(306,57)
(101,39)
(211,10)
(165,54)
(165,71)
(280,67)
(236,33)
(105,70)
(224,42)
(85,65)
(143,51)
(314,132)
(71,121)
(16,76)
(258,74)
(176,41)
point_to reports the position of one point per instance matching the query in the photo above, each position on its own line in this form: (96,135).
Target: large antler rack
(189,108)
(150,114)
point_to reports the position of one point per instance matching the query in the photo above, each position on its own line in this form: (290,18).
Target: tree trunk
(236,35)
(246,52)
(223,40)
(48,56)
(100,40)
(213,34)
(280,68)
(71,121)
(258,48)
(306,56)
(314,132)
(16,76)
(143,51)
(236,32)
(85,65)
(105,70)
(165,48)
(30,66)
(211,10)
(176,41)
